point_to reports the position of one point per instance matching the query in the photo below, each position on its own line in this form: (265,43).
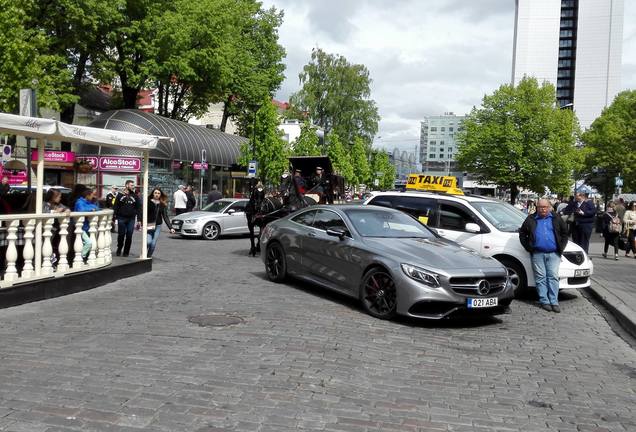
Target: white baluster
(28,252)
(62,263)
(11,273)
(78,262)
(47,247)
(91,232)
(109,238)
(101,240)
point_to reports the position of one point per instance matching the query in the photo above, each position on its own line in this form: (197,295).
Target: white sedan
(222,217)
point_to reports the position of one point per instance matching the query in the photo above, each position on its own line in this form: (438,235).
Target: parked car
(222,217)
(385,258)
(489,227)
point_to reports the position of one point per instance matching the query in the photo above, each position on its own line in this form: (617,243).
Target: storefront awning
(222,149)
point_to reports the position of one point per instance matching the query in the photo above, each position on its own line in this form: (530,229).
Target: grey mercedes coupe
(387,259)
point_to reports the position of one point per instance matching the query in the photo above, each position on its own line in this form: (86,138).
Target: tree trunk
(226,114)
(129,95)
(160,96)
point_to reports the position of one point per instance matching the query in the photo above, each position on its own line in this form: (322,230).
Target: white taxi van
(485,225)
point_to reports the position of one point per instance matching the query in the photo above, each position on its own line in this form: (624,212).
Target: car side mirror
(472,228)
(336,233)
(231,211)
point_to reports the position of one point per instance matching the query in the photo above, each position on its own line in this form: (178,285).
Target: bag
(622,242)
(570,218)
(615,225)
(151,227)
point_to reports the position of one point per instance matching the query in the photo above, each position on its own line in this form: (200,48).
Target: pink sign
(55,156)
(176,164)
(200,165)
(119,163)
(15,177)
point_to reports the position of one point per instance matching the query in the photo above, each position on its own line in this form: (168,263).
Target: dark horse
(262,209)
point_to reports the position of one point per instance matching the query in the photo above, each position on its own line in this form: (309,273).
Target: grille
(470,285)
(574,257)
(577,280)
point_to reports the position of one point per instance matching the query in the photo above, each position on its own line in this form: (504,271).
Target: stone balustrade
(38,246)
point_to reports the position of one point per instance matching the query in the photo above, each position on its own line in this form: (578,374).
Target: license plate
(481,302)
(581,273)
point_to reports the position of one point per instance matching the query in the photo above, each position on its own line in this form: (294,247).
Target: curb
(625,316)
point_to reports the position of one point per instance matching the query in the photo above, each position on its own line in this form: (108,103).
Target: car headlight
(190,221)
(419,274)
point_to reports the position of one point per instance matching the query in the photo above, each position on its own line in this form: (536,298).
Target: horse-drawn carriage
(309,180)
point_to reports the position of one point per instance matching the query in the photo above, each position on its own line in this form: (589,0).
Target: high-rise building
(437,142)
(574,44)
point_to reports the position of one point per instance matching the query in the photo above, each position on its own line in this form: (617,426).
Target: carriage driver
(318,184)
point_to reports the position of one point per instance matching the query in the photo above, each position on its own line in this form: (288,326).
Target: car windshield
(381,223)
(501,215)
(216,206)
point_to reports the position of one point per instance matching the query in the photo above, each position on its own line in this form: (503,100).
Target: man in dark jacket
(545,236)
(214,194)
(584,213)
(192,201)
(128,206)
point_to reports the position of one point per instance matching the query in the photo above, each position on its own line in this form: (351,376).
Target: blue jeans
(86,244)
(153,236)
(546,275)
(126,226)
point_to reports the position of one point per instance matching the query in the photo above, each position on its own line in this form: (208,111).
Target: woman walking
(85,203)
(157,214)
(611,230)
(629,219)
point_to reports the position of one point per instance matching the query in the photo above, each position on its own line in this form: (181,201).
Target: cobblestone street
(125,357)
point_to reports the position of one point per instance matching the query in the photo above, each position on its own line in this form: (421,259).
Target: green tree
(610,144)
(307,143)
(335,95)
(27,60)
(360,162)
(519,138)
(340,158)
(268,148)
(380,163)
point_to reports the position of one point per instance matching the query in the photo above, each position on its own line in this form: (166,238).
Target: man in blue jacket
(545,235)
(584,213)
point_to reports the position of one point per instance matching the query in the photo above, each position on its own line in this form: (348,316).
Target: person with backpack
(612,226)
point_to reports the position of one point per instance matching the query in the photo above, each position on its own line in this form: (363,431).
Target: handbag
(151,227)
(622,241)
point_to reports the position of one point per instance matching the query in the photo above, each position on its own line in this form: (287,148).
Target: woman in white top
(629,219)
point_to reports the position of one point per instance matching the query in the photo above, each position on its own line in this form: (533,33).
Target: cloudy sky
(425,57)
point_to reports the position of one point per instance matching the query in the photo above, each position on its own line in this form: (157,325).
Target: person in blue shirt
(545,235)
(86,203)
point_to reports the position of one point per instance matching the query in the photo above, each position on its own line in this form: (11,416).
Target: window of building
(567,3)
(565,43)
(565,33)
(565,53)
(442,128)
(433,142)
(567,23)
(441,149)
(564,74)
(565,63)
(441,143)
(563,83)
(433,129)
(450,128)
(567,13)
(441,155)
(431,156)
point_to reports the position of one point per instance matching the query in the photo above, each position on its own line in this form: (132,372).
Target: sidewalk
(614,283)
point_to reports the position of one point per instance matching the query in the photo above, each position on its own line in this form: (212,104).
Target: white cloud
(425,57)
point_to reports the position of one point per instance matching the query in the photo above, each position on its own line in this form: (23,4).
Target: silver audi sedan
(222,217)
(387,259)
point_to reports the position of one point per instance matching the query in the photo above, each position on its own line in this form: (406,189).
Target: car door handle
(311,234)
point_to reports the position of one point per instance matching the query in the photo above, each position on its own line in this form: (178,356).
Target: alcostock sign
(117,163)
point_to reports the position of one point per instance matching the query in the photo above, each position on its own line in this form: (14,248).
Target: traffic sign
(618,181)
(251,169)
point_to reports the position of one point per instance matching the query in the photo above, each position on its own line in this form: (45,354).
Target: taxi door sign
(433,183)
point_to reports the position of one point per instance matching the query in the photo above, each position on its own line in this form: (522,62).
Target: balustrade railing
(37,246)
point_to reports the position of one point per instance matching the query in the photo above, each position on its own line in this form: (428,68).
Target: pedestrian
(584,213)
(629,222)
(157,214)
(191,201)
(5,187)
(53,204)
(180,200)
(127,208)
(620,209)
(612,226)
(214,194)
(85,204)
(110,197)
(544,235)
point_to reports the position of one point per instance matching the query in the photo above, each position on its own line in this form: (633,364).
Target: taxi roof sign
(433,183)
